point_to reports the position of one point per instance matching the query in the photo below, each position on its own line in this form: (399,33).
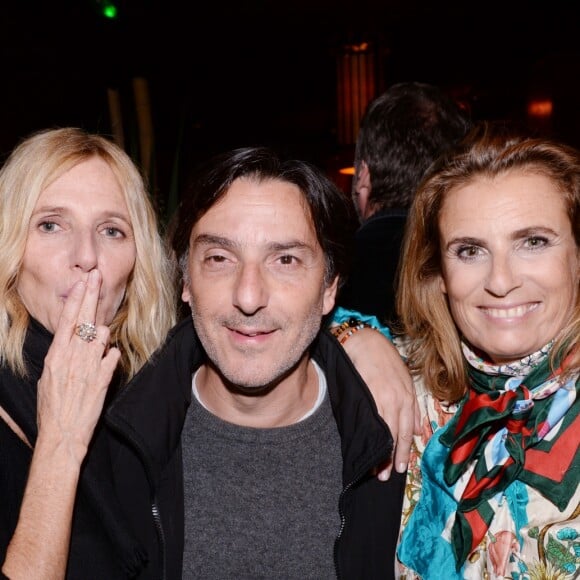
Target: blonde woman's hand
(77,372)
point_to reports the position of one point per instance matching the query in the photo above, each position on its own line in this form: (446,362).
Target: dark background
(222,74)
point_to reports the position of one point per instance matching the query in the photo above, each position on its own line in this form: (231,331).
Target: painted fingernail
(384,474)
(401,467)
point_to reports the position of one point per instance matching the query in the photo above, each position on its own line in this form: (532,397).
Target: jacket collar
(155,401)
(365,438)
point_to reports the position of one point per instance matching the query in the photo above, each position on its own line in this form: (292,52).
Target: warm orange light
(346,171)
(355,88)
(540,108)
(362,47)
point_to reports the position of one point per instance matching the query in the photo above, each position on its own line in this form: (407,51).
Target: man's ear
(329,297)
(362,188)
(185,293)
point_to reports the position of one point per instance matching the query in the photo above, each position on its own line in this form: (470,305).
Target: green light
(109,10)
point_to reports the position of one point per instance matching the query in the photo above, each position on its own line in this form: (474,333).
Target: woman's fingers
(88,308)
(69,315)
(79,310)
(77,370)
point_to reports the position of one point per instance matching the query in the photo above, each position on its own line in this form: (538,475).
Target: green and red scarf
(500,431)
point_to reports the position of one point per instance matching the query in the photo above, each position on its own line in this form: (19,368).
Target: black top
(102,544)
(370,287)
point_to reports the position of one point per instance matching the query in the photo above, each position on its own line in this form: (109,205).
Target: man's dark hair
(403,131)
(331,210)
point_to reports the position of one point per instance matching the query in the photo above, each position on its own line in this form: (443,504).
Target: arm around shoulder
(379,363)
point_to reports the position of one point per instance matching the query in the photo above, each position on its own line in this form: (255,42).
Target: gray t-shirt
(261,503)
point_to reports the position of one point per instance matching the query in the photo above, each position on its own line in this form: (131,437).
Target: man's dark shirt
(370,288)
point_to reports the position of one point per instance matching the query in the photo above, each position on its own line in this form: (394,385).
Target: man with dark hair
(403,131)
(282,436)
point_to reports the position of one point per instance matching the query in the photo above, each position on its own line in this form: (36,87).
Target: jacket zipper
(342,515)
(342,522)
(154,507)
(157,523)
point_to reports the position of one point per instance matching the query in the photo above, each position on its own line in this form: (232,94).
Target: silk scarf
(499,436)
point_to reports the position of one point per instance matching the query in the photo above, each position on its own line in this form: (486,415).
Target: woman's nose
(251,291)
(503,276)
(85,252)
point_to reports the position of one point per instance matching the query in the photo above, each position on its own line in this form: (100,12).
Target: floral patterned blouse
(528,538)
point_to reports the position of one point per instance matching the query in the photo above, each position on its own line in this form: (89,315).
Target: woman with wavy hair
(86,297)
(489,302)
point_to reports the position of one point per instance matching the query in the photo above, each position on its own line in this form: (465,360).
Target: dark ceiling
(227,73)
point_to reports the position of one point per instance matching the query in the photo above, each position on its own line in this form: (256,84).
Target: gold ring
(86,331)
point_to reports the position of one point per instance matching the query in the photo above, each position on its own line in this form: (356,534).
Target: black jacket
(149,413)
(103,542)
(370,287)
(145,420)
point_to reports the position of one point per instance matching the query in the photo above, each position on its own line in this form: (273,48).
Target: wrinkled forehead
(270,204)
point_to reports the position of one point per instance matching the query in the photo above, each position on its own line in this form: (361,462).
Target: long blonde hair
(434,345)
(147,311)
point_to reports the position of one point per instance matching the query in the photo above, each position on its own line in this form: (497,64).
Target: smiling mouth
(515,312)
(251,333)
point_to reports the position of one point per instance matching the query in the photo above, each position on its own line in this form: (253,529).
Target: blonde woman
(86,291)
